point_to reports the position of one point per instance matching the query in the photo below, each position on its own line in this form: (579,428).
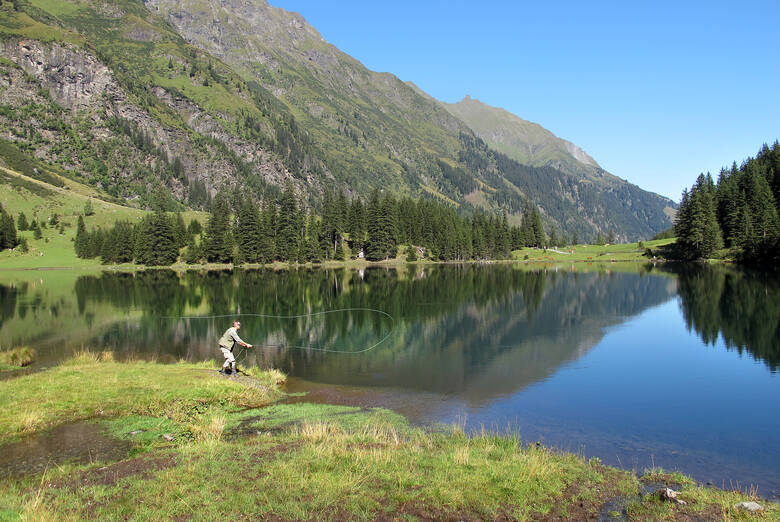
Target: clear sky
(656,92)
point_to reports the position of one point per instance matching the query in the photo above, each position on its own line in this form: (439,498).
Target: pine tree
(248,232)
(21,223)
(155,241)
(287,226)
(7,230)
(266,241)
(37,234)
(357,226)
(377,231)
(180,230)
(218,241)
(313,247)
(81,238)
(193,253)
(88,210)
(539,238)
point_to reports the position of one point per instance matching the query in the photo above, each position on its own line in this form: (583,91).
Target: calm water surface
(672,368)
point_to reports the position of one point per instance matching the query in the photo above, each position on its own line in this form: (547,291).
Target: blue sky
(655,92)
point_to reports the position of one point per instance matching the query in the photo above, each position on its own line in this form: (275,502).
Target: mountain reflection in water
(636,366)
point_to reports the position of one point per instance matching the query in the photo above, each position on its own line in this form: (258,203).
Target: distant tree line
(283,230)
(154,241)
(739,212)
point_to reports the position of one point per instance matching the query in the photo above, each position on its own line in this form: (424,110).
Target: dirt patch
(275,450)
(577,503)
(110,475)
(420,511)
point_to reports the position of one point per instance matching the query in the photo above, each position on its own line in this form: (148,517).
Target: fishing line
(298,316)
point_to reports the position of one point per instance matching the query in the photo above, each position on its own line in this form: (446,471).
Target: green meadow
(207,447)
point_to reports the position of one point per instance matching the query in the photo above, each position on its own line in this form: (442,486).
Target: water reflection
(599,358)
(499,325)
(743,307)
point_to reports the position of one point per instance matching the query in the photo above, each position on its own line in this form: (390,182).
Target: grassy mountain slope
(528,143)
(373,129)
(391,133)
(181,98)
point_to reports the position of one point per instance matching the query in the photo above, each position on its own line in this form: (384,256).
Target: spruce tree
(81,238)
(7,230)
(287,226)
(21,223)
(37,234)
(180,230)
(357,226)
(248,232)
(218,240)
(313,248)
(411,253)
(539,238)
(266,240)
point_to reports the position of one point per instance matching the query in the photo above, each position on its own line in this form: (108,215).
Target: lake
(638,366)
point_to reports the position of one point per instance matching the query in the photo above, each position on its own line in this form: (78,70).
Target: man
(226,344)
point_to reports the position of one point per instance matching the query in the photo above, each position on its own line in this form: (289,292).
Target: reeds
(20,356)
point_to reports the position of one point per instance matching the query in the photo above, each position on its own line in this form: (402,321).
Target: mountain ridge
(202,103)
(525,141)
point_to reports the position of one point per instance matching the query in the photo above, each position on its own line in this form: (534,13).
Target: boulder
(753,507)
(670,495)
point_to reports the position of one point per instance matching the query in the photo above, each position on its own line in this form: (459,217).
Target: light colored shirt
(229,338)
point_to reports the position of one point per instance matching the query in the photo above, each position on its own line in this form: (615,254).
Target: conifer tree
(81,238)
(313,247)
(193,253)
(218,240)
(266,241)
(287,226)
(7,230)
(357,226)
(21,223)
(248,232)
(539,238)
(37,234)
(155,240)
(180,230)
(411,253)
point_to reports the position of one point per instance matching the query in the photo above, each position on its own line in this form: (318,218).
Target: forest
(739,212)
(241,231)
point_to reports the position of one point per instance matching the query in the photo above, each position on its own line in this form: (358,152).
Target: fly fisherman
(226,344)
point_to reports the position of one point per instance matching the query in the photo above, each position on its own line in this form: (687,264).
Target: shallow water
(674,368)
(81,442)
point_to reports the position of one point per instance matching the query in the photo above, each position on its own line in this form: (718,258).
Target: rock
(753,507)
(136,432)
(168,437)
(670,495)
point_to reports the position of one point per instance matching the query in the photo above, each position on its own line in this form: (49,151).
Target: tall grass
(19,357)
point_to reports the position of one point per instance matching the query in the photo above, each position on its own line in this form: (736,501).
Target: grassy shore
(233,455)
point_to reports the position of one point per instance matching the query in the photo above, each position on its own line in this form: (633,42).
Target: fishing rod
(298,316)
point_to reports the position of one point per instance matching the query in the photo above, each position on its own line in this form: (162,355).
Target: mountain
(176,99)
(528,143)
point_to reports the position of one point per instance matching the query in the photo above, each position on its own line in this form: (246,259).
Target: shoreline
(308,461)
